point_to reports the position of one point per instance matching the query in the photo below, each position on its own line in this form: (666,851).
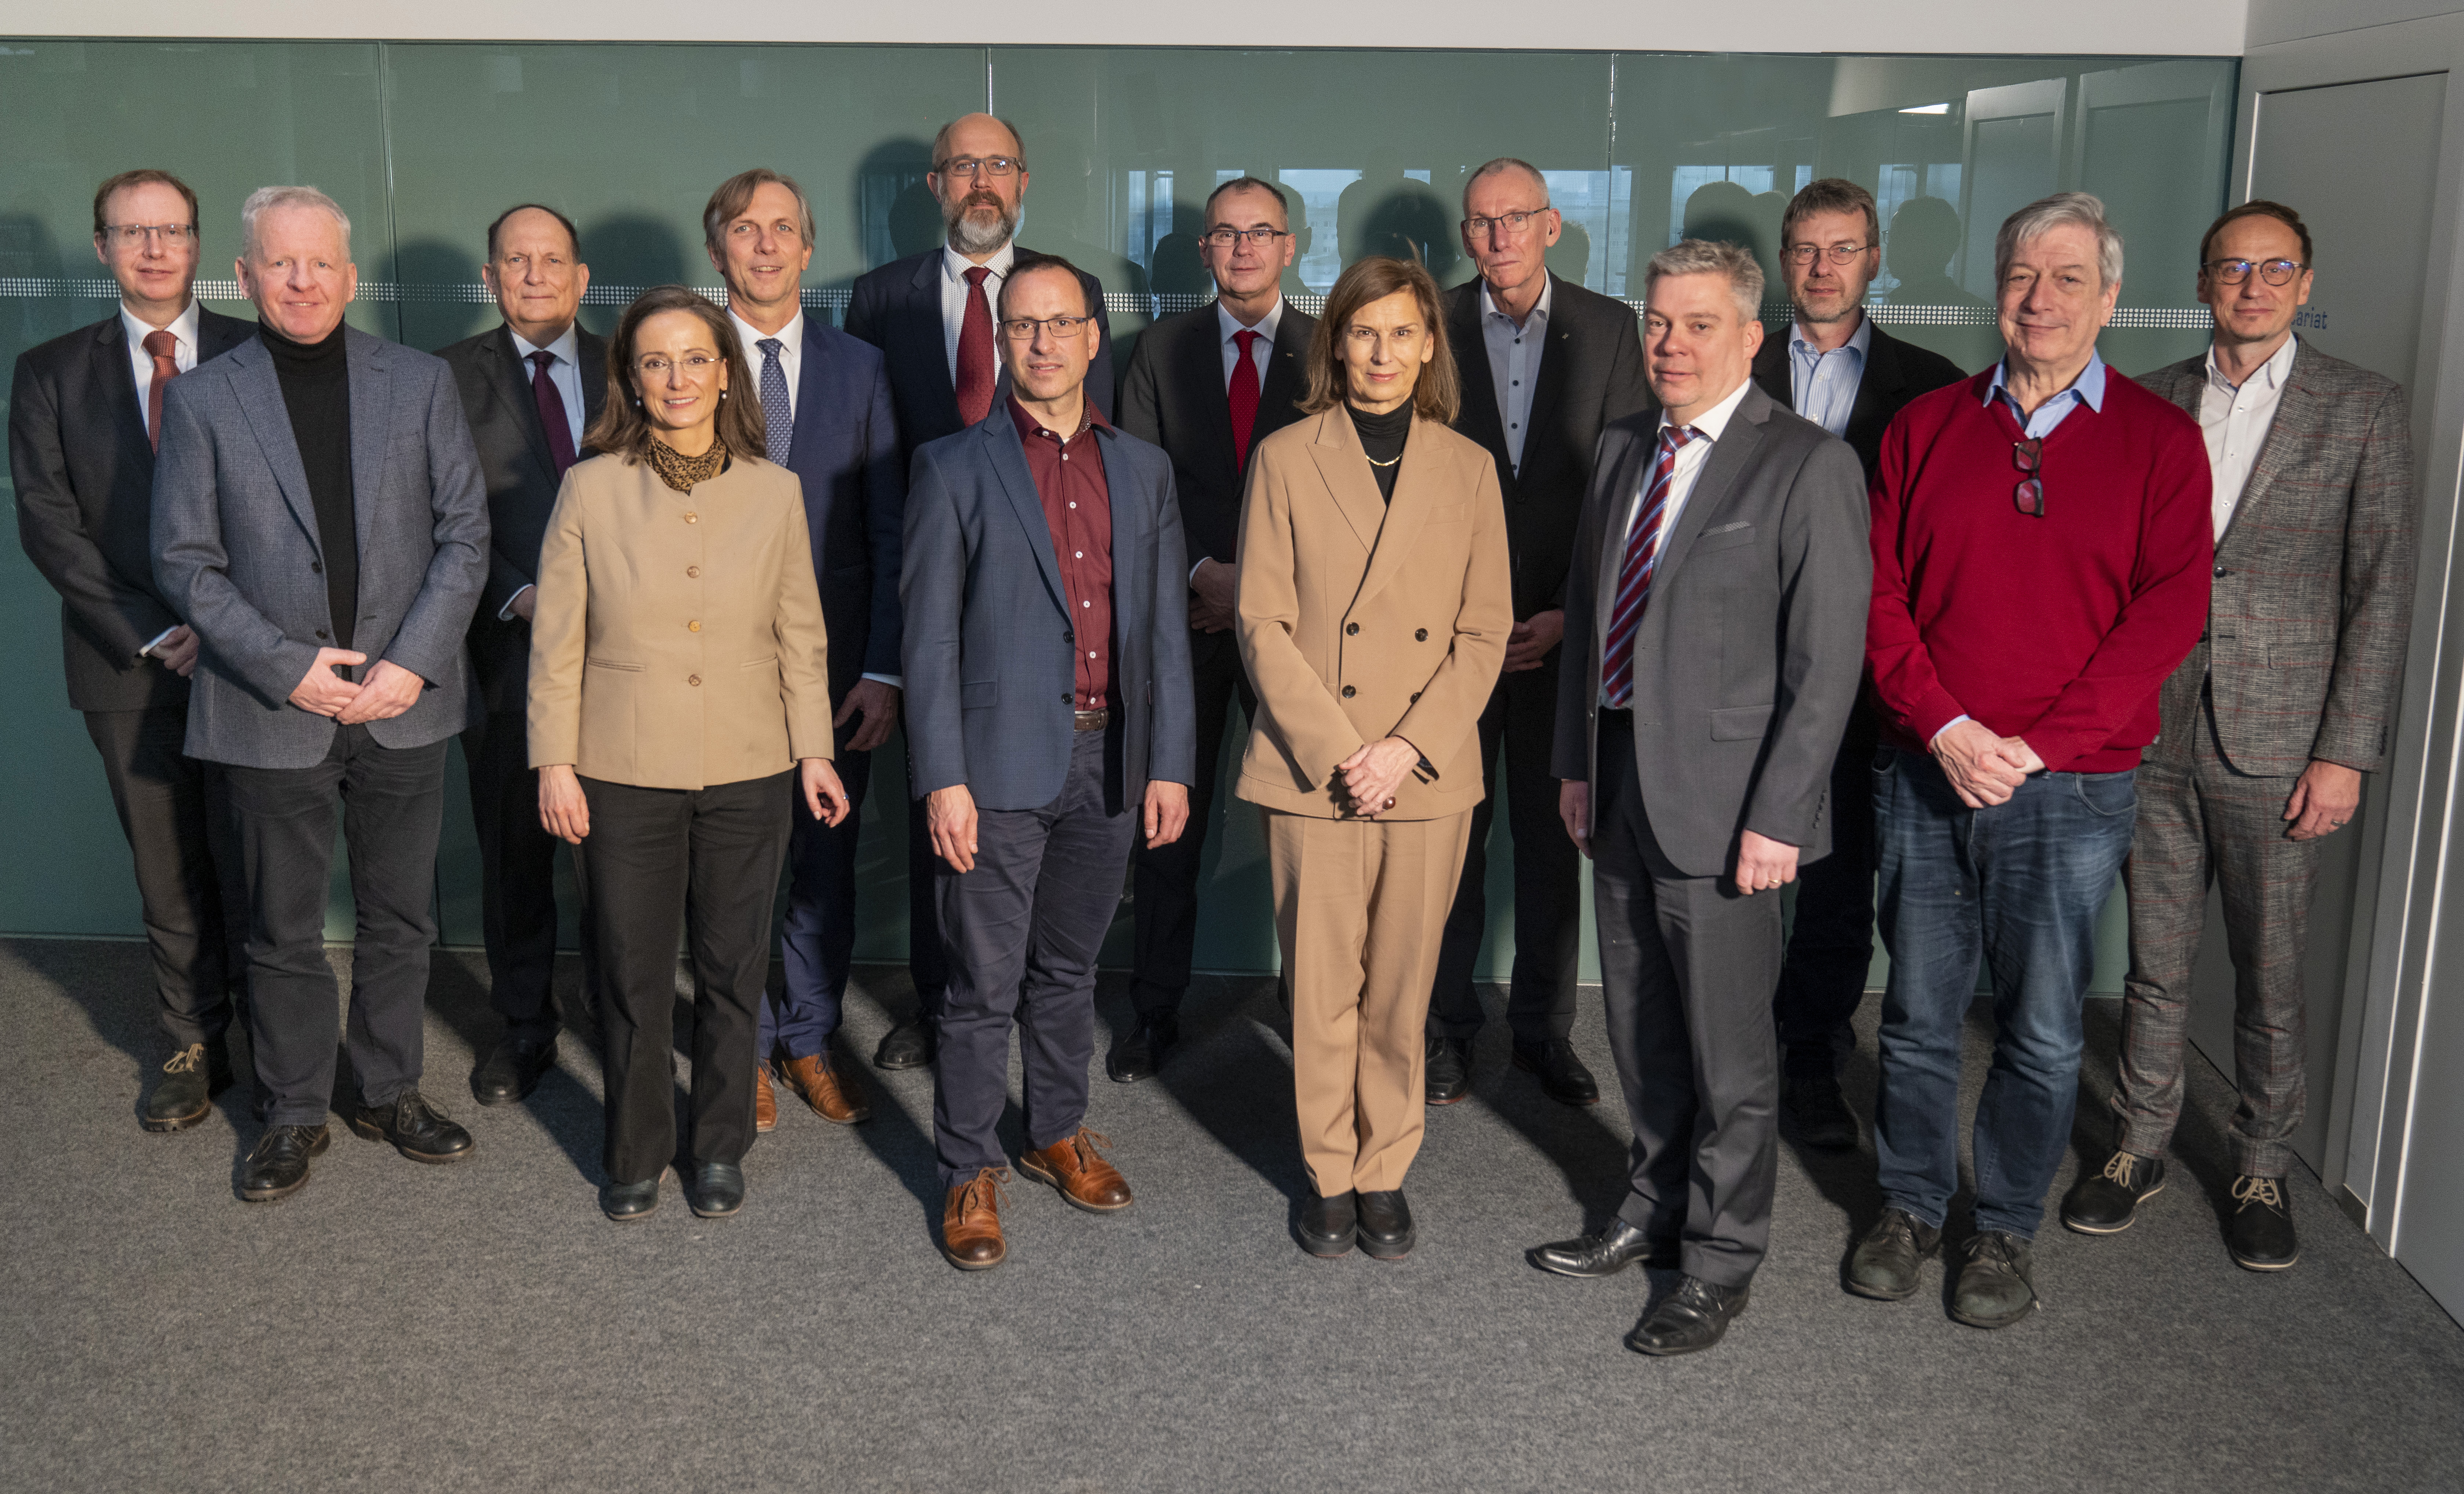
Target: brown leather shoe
(1083,1178)
(817,1083)
(971,1232)
(766,1100)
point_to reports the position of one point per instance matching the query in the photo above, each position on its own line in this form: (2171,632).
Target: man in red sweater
(2041,549)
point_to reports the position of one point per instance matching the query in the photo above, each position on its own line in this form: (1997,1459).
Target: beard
(969,234)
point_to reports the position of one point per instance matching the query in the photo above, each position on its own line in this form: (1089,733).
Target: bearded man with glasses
(2270,724)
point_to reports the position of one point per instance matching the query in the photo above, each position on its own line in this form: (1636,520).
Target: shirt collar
(954,264)
(564,347)
(1029,428)
(2275,371)
(1860,341)
(1488,306)
(184,326)
(1713,421)
(2089,385)
(791,337)
(1227,327)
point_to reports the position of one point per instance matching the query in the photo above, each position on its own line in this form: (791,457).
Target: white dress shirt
(565,373)
(953,295)
(2235,421)
(1514,360)
(791,353)
(1228,327)
(140,363)
(1708,427)
(1823,386)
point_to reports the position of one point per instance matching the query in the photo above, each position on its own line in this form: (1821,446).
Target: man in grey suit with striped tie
(2269,725)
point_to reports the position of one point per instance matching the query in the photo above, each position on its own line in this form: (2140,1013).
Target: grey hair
(2079,209)
(1507,164)
(1708,256)
(265,199)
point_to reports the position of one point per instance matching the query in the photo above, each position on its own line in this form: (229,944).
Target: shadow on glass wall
(1918,248)
(895,213)
(1570,258)
(1727,213)
(1068,208)
(633,251)
(432,276)
(1388,212)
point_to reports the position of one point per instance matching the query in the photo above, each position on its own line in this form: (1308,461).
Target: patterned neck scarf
(681,471)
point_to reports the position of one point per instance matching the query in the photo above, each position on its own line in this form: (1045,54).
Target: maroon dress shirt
(1078,510)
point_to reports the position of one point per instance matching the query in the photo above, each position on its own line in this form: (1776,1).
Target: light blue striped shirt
(1823,386)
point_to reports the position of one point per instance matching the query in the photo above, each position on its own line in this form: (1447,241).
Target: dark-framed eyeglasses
(1802,254)
(2234,272)
(655,365)
(1022,329)
(2028,496)
(128,235)
(995,167)
(1511,222)
(1224,236)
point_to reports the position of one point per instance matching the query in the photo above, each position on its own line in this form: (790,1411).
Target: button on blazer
(678,640)
(1360,619)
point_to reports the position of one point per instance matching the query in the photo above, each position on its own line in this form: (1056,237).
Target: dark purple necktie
(551,412)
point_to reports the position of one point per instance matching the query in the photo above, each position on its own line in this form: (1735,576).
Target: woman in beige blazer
(679,700)
(1374,605)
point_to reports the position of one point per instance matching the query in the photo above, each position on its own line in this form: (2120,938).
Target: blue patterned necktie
(778,421)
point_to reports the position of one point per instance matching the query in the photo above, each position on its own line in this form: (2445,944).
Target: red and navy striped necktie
(1633,574)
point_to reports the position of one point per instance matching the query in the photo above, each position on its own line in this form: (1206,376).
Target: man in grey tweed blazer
(2269,725)
(320,519)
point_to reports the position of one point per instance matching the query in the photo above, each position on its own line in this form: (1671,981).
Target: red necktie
(1245,397)
(166,349)
(976,351)
(551,412)
(1634,572)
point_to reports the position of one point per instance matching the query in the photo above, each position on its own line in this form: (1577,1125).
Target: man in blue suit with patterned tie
(827,410)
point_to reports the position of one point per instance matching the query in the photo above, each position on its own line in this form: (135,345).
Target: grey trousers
(2205,824)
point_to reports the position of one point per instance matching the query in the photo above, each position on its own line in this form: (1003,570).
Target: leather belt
(1094,720)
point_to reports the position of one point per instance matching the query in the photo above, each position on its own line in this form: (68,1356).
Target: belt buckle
(1094,720)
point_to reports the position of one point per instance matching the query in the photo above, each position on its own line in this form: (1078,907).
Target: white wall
(2165,27)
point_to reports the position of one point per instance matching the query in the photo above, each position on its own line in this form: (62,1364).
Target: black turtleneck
(315,378)
(1382,437)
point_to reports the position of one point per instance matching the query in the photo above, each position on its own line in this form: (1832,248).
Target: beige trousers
(1360,907)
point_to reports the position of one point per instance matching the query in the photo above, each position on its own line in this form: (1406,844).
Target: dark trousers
(393,803)
(1831,945)
(516,876)
(2017,886)
(928,958)
(660,862)
(1166,900)
(1687,965)
(817,942)
(1521,722)
(1023,930)
(176,813)
(2201,825)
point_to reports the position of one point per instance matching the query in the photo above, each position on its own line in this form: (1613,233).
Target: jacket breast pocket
(612,664)
(1740,723)
(978,694)
(1730,537)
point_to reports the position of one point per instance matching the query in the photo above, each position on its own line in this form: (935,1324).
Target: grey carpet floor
(398,1327)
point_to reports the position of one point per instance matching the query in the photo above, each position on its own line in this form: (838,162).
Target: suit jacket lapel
(813,400)
(1283,388)
(118,377)
(371,422)
(507,380)
(1343,465)
(1728,458)
(1200,372)
(1772,371)
(923,327)
(1880,377)
(269,420)
(594,377)
(1009,464)
(1556,351)
(1480,418)
(1415,485)
(2298,414)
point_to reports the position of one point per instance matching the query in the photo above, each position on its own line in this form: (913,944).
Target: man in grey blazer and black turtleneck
(321,520)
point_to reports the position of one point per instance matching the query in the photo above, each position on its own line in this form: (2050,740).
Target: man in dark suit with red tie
(1207,385)
(932,316)
(530,389)
(85,416)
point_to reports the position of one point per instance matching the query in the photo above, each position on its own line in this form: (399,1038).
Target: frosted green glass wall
(423,143)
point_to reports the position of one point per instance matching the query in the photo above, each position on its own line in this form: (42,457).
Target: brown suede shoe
(817,1083)
(1083,1178)
(971,1232)
(766,1100)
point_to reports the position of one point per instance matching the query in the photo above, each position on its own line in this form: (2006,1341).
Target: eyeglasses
(656,365)
(2028,496)
(128,235)
(1802,254)
(2234,272)
(1511,222)
(1022,329)
(1224,236)
(994,166)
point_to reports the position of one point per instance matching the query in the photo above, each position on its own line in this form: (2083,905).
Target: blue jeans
(2019,886)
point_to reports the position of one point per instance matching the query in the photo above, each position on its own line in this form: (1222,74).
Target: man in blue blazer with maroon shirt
(825,407)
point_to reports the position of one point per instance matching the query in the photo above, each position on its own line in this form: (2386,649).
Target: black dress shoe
(1605,1254)
(910,1045)
(512,1068)
(717,1189)
(1997,1287)
(1563,1078)
(2259,1235)
(2105,1202)
(1694,1317)
(185,1094)
(417,1128)
(1326,1226)
(1886,1262)
(1449,1076)
(1823,1119)
(1384,1223)
(626,1202)
(1139,1054)
(278,1165)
